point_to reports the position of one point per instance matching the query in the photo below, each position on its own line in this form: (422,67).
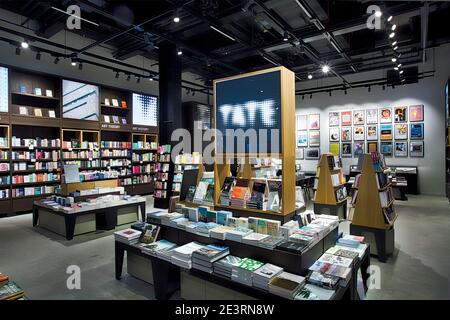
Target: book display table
(381,240)
(104,217)
(166,276)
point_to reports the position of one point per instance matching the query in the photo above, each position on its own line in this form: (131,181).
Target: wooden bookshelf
(368,211)
(325,193)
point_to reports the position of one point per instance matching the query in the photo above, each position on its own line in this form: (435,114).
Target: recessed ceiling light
(310,76)
(176,19)
(391,35)
(180,52)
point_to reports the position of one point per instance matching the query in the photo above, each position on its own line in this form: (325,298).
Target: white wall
(429,92)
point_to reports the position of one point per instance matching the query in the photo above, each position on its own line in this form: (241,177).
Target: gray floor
(38,259)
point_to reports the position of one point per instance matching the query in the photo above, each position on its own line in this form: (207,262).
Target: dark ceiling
(317,31)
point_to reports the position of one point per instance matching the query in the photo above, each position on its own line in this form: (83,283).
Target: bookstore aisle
(37,260)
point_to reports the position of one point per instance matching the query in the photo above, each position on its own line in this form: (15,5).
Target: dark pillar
(169,91)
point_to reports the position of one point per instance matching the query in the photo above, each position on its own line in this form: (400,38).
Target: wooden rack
(326,191)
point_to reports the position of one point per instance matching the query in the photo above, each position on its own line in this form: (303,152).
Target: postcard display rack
(373,201)
(37,138)
(330,196)
(286,155)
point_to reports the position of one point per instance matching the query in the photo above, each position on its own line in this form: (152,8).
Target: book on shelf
(106,119)
(257,197)
(22,88)
(149,234)
(49,93)
(386,197)
(275,194)
(382,180)
(115,119)
(240,193)
(226,190)
(107,102)
(388,215)
(124,120)
(115,102)
(23,111)
(38,112)
(123,104)
(51,114)
(341,194)
(38,91)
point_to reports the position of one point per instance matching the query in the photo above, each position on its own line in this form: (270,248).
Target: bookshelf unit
(144,158)
(115,109)
(163,177)
(329,188)
(5,169)
(184,162)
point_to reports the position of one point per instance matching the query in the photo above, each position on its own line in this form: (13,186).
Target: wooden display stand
(67,188)
(287,154)
(368,214)
(325,201)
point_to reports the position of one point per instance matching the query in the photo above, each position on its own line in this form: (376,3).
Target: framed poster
(334,148)
(358,117)
(386,132)
(312,153)
(385,115)
(346,118)
(299,153)
(314,122)
(358,149)
(372,146)
(400,114)
(416,113)
(346,150)
(372,132)
(416,149)
(358,133)
(416,131)
(346,134)
(401,148)
(334,134)
(80,101)
(145,110)
(302,139)
(386,148)
(371,116)
(333,119)
(314,138)
(302,122)
(4,94)
(401,131)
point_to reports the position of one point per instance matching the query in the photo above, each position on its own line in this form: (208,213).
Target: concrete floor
(37,259)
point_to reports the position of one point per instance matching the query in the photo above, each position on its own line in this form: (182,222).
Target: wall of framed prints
(405,123)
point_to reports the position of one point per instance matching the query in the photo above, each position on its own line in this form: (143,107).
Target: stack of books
(238,234)
(226,190)
(350,240)
(205,228)
(240,193)
(293,246)
(127,236)
(224,266)
(168,217)
(270,242)
(330,269)
(182,256)
(254,238)
(243,273)
(313,292)
(156,248)
(264,275)
(323,280)
(286,285)
(11,291)
(257,197)
(203,258)
(220,232)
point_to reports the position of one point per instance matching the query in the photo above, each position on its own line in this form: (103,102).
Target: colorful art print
(145,110)
(314,138)
(401,131)
(302,122)
(358,133)
(401,149)
(333,118)
(302,139)
(334,134)
(372,146)
(334,148)
(416,149)
(300,153)
(372,132)
(386,132)
(416,131)
(358,117)
(346,134)
(400,114)
(358,149)
(385,115)
(312,153)
(346,150)
(371,116)
(346,118)
(314,121)
(386,148)
(416,113)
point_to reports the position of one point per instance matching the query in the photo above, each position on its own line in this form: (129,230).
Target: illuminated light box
(80,101)
(145,110)
(249,102)
(4,89)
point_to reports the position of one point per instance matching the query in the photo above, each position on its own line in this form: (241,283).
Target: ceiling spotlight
(80,66)
(179,52)
(391,35)
(394,59)
(310,76)
(329,93)
(24,45)
(394,26)
(117,75)
(310,96)
(150,78)
(394,43)
(325,68)
(389,19)
(18,51)
(74,64)
(286,36)
(401,72)
(369,89)
(129,77)
(395,68)
(176,19)
(56,60)
(378,14)
(38,56)
(74,60)
(399,65)
(395,48)
(138,80)
(403,80)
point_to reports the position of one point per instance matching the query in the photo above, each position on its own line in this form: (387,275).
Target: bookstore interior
(224,150)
